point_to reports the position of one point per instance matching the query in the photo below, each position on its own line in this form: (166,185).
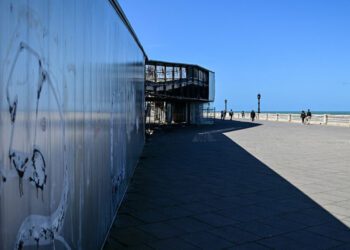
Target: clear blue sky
(296,53)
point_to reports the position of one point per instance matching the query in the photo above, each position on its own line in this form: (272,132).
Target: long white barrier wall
(320,119)
(71,121)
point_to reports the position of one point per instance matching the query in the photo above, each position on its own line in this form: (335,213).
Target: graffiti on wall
(30,166)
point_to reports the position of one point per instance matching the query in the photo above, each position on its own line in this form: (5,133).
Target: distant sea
(313,112)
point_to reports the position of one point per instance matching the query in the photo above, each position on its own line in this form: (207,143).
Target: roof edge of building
(122,15)
(177,63)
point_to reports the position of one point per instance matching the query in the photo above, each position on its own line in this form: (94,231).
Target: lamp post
(225,105)
(259,97)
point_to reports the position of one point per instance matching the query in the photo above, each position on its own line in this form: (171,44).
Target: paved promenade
(239,185)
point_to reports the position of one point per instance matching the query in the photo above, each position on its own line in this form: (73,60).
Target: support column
(325,119)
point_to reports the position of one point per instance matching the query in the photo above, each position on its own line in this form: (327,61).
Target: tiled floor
(260,186)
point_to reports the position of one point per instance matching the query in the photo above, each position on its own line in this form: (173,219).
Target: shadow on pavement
(196,189)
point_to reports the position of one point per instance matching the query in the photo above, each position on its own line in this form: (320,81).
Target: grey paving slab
(189,225)
(281,242)
(150,216)
(259,228)
(283,225)
(130,237)
(312,240)
(260,185)
(333,233)
(176,212)
(215,220)
(305,220)
(341,247)
(125,220)
(235,235)
(250,246)
(173,244)
(112,244)
(161,230)
(247,213)
(199,207)
(206,240)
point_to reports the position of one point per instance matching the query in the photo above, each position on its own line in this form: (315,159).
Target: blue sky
(296,53)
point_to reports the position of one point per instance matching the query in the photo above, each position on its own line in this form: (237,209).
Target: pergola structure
(176,81)
(178,89)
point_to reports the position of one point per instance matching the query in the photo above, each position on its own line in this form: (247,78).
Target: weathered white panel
(71,121)
(211,86)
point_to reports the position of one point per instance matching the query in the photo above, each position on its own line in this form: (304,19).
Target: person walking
(242,114)
(252,115)
(231,114)
(308,116)
(302,116)
(222,114)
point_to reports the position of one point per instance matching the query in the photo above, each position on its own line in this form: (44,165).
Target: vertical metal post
(259,97)
(164,73)
(156,73)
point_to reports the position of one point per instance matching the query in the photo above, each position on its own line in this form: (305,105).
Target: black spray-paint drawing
(31,166)
(117,175)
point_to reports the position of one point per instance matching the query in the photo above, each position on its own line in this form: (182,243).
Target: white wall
(64,168)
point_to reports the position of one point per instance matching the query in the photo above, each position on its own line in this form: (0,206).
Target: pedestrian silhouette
(308,117)
(302,116)
(252,115)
